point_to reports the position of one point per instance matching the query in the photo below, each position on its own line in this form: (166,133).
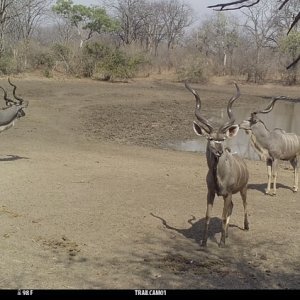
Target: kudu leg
(244,198)
(227,209)
(269,167)
(295,165)
(228,218)
(210,203)
(274,175)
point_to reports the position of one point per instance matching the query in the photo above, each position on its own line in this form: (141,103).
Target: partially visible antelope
(273,146)
(227,172)
(13,110)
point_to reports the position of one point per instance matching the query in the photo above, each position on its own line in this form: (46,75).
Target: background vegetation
(121,39)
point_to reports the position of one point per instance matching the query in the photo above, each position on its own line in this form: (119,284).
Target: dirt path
(91,201)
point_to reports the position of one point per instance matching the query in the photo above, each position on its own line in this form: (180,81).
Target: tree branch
(283,4)
(293,63)
(223,6)
(297,18)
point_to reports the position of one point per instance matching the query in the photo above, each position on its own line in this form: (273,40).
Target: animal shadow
(263,186)
(196,230)
(12,157)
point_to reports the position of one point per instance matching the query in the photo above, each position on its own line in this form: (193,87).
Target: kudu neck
(214,160)
(260,131)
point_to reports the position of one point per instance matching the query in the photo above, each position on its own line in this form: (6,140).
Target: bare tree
(260,29)
(64,29)
(7,13)
(151,22)
(32,13)
(131,15)
(154,28)
(217,38)
(177,16)
(31,16)
(233,5)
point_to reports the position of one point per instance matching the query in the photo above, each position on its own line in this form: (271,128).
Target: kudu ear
(232,131)
(200,130)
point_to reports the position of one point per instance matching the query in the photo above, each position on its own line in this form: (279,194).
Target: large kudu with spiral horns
(227,172)
(273,145)
(13,110)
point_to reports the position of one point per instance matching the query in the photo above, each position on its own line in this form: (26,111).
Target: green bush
(61,51)
(193,69)
(118,65)
(63,54)
(44,60)
(92,54)
(7,65)
(106,63)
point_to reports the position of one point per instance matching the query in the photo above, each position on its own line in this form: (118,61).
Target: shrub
(193,69)
(7,64)
(92,54)
(118,65)
(106,63)
(43,59)
(62,54)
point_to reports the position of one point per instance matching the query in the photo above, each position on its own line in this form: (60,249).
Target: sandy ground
(91,199)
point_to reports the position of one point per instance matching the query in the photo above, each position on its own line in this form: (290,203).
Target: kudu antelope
(227,172)
(273,146)
(13,110)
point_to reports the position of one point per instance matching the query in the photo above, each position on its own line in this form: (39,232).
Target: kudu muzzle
(216,147)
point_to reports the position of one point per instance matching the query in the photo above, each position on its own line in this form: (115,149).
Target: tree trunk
(224,63)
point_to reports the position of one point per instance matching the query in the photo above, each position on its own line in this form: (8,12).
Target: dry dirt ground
(92,199)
